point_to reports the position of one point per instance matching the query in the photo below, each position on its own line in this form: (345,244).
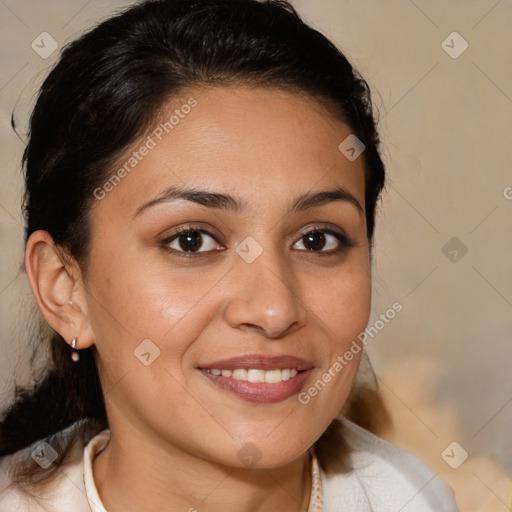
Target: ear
(56,280)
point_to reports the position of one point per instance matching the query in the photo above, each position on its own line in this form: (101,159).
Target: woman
(201,185)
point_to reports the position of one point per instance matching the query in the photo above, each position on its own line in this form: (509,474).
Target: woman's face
(250,291)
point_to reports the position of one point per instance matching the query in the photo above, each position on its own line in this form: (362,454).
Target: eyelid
(206,229)
(318,226)
(333,230)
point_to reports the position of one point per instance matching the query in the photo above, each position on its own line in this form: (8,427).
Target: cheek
(145,298)
(342,310)
(341,302)
(136,301)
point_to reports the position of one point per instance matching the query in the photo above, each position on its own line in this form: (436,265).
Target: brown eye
(189,241)
(314,240)
(323,241)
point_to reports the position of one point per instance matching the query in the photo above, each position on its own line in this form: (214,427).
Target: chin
(265,453)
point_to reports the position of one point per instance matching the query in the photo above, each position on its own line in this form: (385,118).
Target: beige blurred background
(441,76)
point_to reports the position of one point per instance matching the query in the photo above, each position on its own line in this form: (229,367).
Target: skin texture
(176,437)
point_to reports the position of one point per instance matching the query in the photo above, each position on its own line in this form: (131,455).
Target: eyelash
(345,241)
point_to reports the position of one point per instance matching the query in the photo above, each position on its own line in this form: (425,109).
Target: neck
(155,478)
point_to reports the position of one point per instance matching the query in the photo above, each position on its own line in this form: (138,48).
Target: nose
(263,297)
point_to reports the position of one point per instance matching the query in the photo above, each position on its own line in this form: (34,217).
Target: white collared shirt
(384,479)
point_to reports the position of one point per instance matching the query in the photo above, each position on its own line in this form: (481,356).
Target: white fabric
(384,479)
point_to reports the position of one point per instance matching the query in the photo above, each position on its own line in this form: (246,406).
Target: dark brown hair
(101,97)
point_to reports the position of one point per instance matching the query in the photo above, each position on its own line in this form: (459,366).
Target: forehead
(262,144)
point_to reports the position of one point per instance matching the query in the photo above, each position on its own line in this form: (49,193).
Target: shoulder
(63,493)
(384,478)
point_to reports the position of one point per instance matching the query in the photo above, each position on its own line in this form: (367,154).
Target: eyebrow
(236,205)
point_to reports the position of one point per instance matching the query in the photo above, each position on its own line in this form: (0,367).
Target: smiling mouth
(254,375)
(259,378)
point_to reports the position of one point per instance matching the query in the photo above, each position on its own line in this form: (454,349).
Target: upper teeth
(251,375)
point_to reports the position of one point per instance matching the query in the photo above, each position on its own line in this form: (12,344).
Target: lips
(257,378)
